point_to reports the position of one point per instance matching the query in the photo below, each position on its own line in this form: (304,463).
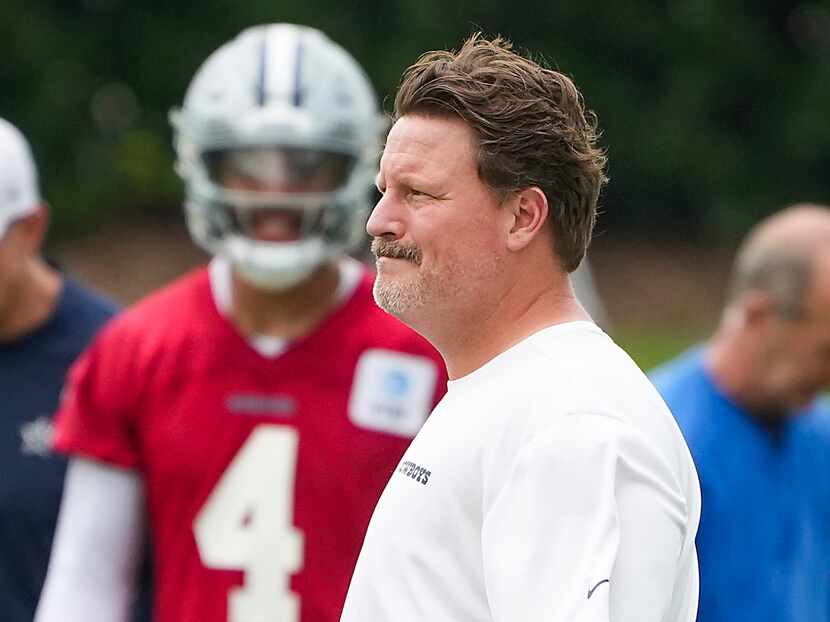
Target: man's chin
(390,304)
(393,298)
(391,310)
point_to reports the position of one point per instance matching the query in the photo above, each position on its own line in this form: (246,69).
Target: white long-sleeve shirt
(550,484)
(98,545)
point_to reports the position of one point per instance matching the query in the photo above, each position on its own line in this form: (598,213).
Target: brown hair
(531,125)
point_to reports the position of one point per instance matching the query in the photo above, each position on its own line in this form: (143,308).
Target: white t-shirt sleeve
(97,548)
(589,526)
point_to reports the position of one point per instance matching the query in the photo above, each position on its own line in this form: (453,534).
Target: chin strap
(273,280)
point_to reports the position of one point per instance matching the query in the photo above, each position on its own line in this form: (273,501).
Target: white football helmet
(279,131)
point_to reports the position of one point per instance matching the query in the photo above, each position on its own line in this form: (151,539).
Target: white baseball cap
(19,192)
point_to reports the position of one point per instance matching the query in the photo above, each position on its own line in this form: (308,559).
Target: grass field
(652,345)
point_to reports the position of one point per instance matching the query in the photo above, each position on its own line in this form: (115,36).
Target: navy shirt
(764,537)
(32,371)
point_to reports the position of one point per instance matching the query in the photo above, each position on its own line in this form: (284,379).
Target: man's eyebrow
(404,178)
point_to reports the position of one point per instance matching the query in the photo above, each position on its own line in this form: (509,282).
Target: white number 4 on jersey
(247,524)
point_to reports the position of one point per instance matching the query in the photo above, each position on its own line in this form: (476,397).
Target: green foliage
(714,113)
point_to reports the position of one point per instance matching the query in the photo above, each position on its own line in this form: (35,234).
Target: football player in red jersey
(251,412)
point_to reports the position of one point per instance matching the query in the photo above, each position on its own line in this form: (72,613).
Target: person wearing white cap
(46,319)
(29,288)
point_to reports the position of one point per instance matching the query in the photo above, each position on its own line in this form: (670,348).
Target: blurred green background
(714,113)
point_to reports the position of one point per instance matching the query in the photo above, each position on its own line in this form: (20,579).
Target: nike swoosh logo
(591,591)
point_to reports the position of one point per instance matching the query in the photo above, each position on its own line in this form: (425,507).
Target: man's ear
(757,309)
(33,228)
(529,211)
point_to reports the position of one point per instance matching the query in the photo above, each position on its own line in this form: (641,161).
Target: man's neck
(733,378)
(291,313)
(32,303)
(731,366)
(471,342)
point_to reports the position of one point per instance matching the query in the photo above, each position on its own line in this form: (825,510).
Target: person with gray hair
(747,402)
(551,482)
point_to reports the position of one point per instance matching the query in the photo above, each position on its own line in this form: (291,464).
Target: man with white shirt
(250,412)
(551,482)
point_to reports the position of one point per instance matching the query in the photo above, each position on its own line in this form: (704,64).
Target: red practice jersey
(261,474)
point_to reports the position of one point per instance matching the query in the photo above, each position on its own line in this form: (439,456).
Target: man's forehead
(402,164)
(419,143)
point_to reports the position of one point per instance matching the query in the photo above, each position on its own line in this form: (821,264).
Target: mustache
(395,250)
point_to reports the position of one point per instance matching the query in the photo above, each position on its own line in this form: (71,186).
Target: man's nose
(386,219)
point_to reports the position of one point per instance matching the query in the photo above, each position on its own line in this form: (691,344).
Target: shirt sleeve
(589,526)
(97,548)
(95,416)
